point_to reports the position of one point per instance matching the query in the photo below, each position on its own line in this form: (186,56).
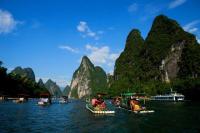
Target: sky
(51,36)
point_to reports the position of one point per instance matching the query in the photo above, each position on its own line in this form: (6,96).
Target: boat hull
(98,111)
(138,112)
(43,103)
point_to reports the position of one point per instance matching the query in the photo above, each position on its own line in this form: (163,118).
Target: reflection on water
(73,117)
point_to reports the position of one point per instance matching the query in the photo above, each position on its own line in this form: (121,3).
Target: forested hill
(168,58)
(12,84)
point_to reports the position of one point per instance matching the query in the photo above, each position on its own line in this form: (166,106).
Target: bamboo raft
(90,108)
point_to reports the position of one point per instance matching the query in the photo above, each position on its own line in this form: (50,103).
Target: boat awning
(128,94)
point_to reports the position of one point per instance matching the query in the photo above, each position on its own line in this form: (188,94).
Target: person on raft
(135,105)
(98,102)
(116,101)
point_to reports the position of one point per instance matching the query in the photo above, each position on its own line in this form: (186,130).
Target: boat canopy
(128,94)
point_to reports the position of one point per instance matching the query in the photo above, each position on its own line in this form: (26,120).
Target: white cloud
(86,31)
(101,55)
(61,82)
(176,3)
(133,7)
(7,22)
(191,27)
(82,27)
(68,48)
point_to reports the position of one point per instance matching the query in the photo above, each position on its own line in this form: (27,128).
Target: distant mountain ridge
(41,83)
(66,90)
(19,81)
(53,88)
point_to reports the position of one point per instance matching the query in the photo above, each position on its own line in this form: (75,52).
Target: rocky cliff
(87,79)
(53,88)
(166,54)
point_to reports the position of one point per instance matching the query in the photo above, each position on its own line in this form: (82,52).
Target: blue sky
(51,36)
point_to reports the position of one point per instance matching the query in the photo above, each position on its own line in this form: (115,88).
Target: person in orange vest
(134,104)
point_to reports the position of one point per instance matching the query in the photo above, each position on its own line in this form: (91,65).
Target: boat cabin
(45,99)
(173,96)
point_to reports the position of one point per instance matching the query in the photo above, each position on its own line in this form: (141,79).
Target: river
(73,117)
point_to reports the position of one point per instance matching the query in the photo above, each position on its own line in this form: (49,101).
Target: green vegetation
(66,91)
(98,83)
(164,34)
(138,68)
(168,52)
(74,93)
(190,63)
(14,84)
(24,72)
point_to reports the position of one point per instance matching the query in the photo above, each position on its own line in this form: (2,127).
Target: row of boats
(97,105)
(130,102)
(45,99)
(126,101)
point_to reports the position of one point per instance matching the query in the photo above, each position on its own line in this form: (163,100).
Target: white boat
(44,101)
(20,100)
(64,99)
(173,96)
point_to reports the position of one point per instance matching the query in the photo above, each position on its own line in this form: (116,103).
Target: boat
(93,110)
(22,98)
(125,103)
(3,97)
(44,100)
(116,101)
(172,96)
(64,99)
(138,112)
(98,105)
